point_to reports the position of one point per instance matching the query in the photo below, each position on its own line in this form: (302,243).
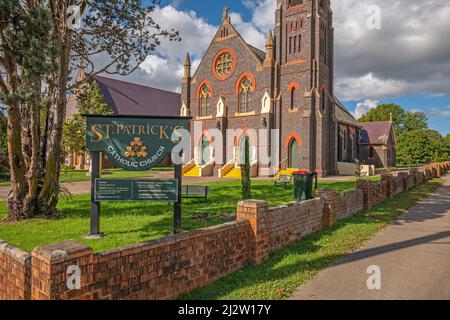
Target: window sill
(245,114)
(204,118)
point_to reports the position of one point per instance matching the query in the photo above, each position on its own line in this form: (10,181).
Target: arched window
(293,91)
(371,153)
(204,98)
(246,96)
(323,100)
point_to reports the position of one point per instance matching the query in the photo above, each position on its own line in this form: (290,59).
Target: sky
(406,60)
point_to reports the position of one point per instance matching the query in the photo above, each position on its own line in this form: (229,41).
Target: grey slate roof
(377,132)
(126,98)
(343,115)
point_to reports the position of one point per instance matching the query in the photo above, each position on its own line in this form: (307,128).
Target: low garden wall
(15,273)
(168,267)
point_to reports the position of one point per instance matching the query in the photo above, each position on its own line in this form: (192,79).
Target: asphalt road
(413,256)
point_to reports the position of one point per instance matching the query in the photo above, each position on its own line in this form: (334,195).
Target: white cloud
(435,112)
(409,54)
(248,31)
(368,85)
(164,69)
(364,107)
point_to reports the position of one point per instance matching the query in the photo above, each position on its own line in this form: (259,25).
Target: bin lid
(303,172)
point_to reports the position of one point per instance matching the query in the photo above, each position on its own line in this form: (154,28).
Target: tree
(3,128)
(403,120)
(421,146)
(90,101)
(245,172)
(40,45)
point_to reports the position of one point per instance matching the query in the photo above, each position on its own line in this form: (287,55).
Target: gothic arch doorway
(293,154)
(205,150)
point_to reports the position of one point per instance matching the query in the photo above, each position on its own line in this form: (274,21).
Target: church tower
(304,44)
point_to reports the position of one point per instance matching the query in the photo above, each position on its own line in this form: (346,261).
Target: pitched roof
(259,53)
(376,132)
(343,115)
(126,98)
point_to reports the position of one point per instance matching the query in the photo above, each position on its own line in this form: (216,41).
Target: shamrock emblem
(136,149)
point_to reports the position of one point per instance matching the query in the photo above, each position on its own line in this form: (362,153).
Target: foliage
(421,146)
(90,101)
(245,172)
(41,43)
(404,121)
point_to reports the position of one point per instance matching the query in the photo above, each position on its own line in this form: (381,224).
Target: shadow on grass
(294,265)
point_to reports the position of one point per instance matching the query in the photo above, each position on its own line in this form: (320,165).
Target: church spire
(269,42)
(268,61)
(187,67)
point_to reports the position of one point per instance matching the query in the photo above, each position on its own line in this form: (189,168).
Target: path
(413,254)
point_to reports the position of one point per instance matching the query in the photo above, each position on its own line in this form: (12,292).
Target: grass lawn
(289,268)
(128,223)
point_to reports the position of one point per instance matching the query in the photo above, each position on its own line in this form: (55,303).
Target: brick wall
(168,267)
(15,273)
(288,224)
(349,203)
(373,192)
(159,269)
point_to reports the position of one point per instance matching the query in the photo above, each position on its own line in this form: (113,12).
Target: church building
(288,86)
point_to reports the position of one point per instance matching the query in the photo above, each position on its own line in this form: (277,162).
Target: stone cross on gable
(225,11)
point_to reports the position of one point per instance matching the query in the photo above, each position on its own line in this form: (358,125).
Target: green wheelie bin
(303,185)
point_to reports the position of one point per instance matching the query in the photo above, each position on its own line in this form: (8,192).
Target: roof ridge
(135,84)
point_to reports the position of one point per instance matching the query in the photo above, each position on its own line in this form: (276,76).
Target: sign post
(134,144)
(95,205)
(177,205)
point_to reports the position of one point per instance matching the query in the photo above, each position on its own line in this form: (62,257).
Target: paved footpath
(413,254)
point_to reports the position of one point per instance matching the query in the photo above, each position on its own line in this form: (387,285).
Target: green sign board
(134,143)
(151,190)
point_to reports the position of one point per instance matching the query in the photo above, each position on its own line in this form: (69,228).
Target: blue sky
(418,80)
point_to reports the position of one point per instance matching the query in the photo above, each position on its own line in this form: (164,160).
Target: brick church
(289,87)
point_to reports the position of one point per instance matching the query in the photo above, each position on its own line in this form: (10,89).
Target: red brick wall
(288,224)
(348,203)
(159,269)
(373,192)
(15,273)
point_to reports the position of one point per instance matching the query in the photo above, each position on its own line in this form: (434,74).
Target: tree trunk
(35,154)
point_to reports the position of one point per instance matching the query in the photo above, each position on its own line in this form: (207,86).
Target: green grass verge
(291,267)
(128,223)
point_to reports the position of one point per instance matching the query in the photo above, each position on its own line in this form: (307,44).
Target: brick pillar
(256,212)
(366,187)
(415,173)
(329,197)
(389,178)
(49,271)
(438,170)
(404,179)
